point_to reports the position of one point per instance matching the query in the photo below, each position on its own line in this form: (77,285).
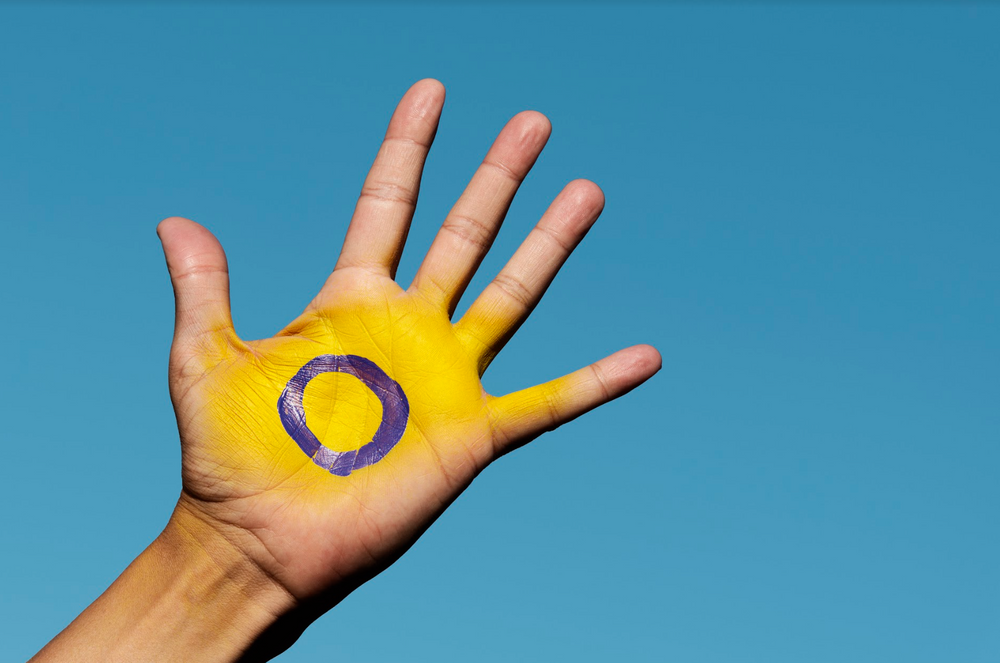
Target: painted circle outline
(395,413)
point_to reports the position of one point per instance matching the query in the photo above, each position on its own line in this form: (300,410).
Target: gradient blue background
(802,215)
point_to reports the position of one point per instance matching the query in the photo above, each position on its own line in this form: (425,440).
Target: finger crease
(555,418)
(199,271)
(505,170)
(602,381)
(556,239)
(514,289)
(471,230)
(390,192)
(404,140)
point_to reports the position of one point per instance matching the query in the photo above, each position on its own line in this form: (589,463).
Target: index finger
(385,207)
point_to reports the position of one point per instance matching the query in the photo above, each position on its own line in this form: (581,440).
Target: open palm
(324,452)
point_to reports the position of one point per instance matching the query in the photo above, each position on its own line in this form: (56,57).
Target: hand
(320,455)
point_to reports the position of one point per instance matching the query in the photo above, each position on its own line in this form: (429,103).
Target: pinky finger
(524,415)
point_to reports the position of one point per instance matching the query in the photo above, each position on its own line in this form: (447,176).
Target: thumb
(200,276)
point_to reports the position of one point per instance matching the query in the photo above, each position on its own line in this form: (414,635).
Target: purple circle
(395,412)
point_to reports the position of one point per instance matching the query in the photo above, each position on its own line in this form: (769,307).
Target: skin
(263,540)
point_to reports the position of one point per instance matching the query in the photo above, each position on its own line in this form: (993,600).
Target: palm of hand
(246,476)
(272,489)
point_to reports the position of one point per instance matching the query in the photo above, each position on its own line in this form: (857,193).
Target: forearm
(188,596)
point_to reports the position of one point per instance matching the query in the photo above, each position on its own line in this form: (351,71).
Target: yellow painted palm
(322,453)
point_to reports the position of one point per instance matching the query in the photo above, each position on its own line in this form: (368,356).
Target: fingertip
(575,210)
(586,194)
(536,118)
(189,246)
(426,96)
(646,360)
(167,225)
(432,87)
(534,127)
(173,226)
(177,232)
(418,112)
(630,367)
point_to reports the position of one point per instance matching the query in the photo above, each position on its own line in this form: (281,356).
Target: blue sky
(802,215)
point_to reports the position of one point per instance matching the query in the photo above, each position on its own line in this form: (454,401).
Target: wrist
(190,596)
(223,600)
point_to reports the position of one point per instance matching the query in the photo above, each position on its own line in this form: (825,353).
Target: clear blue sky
(802,215)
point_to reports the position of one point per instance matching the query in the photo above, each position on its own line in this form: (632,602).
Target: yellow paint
(343,413)
(409,338)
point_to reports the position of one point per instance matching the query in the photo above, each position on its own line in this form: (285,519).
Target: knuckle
(553,411)
(470,230)
(563,243)
(514,289)
(601,379)
(504,170)
(407,141)
(385,191)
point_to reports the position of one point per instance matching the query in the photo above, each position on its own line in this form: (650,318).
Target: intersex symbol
(395,412)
